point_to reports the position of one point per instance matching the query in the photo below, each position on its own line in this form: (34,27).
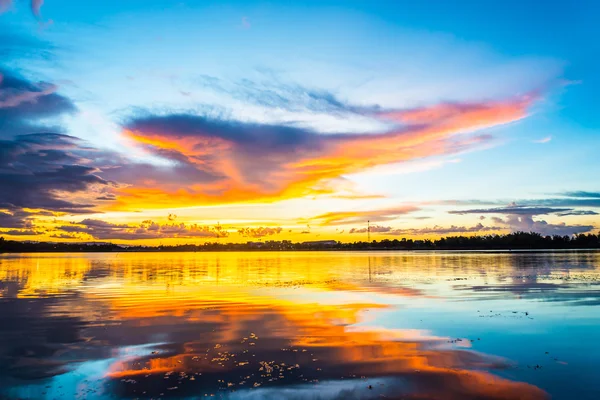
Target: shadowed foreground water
(300,325)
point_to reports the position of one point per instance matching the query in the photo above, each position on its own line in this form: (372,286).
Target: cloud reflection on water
(208,324)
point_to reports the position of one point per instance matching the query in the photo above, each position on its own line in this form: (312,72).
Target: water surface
(306,325)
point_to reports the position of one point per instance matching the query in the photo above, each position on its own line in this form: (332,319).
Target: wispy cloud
(514,210)
(543,140)
(36,8)
(246,23)
(352,217)
(582,194)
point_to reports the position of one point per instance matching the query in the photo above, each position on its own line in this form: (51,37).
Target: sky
(172,122)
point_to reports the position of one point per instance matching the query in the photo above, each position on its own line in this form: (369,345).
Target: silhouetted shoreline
(510,242)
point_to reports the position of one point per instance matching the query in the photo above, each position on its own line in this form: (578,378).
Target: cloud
(570,199)
(65,235)
(372,229)
(148,229)
(16,46)
(23,232)
(568,202)
(246,23)
(520,218)
(41,168)
(47,171)
(237,161)
(5,5)
(525,223)
(514,210)
(578,212)
(36,8)
(10,100)
(17,219)
(274,93)
(352,217)
(543,140)
(35,5)
(259,232)
(582,194)
(23,104)
(439,230)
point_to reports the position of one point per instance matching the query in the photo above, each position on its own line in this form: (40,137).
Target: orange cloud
(243,162)
(351,217)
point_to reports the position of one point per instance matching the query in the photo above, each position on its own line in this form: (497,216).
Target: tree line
(511,241)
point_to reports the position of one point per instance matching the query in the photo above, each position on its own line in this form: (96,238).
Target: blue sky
(148,78)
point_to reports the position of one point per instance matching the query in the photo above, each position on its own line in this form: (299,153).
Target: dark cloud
(259,232)
(578,199)
(65,235)
(104,230)
(578,212)
(563,202)
(512,210)
(23,104)
(17,219)
(42,168)
(23,232)
(583,194)
(36,170)
(372,229)
(248,135)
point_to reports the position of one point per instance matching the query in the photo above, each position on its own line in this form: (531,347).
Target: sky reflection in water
(300,325)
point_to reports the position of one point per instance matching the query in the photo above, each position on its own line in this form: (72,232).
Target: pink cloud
(36,6)
(5,5)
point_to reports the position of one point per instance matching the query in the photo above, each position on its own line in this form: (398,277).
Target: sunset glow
(189,122)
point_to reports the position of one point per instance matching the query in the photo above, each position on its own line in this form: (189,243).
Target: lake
(300,325)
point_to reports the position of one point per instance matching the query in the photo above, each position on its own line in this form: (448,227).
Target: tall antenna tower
(369,231)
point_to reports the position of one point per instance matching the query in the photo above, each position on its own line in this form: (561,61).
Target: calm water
(300,325)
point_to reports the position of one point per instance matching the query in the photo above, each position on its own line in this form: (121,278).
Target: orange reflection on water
(282,343)
(215,323)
